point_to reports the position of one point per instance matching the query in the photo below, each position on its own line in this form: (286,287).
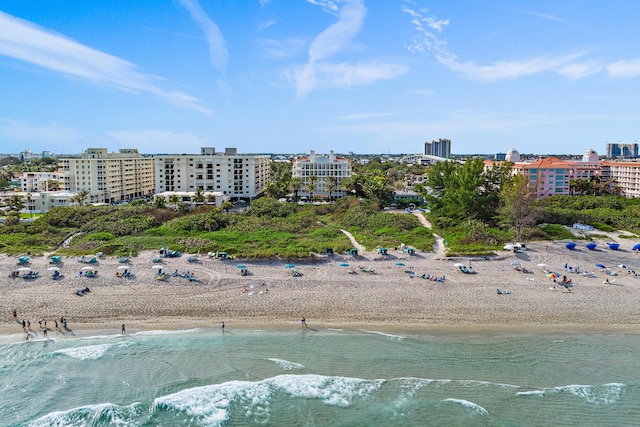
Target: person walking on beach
(44,332)
(123,329)
(223,326)
(24,325)
(15,313)
(304,322)
(56,322)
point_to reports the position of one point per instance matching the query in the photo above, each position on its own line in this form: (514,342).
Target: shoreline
(90,331)
(331,294)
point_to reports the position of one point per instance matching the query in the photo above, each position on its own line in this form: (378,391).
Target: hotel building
(438,148)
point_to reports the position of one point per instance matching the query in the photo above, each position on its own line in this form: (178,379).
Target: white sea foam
(597,394)
(285,364)
(79,417)
(389,336)
(212,403)
(335,329)
(606,393)
(539,393)
(89,352)
(477,408)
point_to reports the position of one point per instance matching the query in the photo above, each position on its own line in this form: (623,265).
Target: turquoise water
(321,377)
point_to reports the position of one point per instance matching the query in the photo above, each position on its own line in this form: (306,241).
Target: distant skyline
(554,77)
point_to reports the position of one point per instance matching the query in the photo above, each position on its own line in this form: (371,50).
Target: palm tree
(295,184)
(174,199)
(226,206)
(198,197)
(310,186)
(80,197)
(16,203)
(159,202)
(332,184)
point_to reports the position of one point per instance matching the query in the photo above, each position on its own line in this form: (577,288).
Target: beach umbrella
(400,264)
(553,275)
(543,265)
(157,267)
(591,246)
(344,264)
(622,266)
(514,263)
(571,246)
(509,247)
(636,247)
(601,265)
(87,268)
(123,267)
(53,269)
(613,246)
(241,266)
(289,266)
(24,269)
(458,264)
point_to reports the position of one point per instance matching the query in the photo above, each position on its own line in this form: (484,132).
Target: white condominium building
(109,177)
(242,176)
(322,167)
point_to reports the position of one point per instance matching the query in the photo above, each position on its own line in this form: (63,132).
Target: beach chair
(498,291)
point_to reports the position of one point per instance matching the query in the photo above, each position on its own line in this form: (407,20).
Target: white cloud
(427,39)
(329,42)
(155,140)
(327,5)
(506,69)
(266,24)
(18,130)
(579,70)
(218,53)
(625,69)
(280,49)
(27,42)
(345,75)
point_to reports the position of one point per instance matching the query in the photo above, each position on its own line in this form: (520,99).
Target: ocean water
(321,377)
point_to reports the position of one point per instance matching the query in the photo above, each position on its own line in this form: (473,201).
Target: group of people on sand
(26,324)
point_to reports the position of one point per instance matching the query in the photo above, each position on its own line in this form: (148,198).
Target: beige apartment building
(109,177)
(241,176)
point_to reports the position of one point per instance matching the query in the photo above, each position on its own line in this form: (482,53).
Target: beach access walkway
(361,249)
(438,247)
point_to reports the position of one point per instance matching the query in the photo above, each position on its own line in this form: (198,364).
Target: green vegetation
(267,229)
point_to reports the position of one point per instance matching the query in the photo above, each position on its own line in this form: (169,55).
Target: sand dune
(328,295)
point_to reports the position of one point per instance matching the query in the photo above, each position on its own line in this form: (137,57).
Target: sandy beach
(330,295)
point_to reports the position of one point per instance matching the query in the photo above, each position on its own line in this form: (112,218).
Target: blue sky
(293,75)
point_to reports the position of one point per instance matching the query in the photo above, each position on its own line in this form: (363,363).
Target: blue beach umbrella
(290,266)
(613,246)
(601,266)
(241,266)
(636,247)
(591,246)
(571,246)
(400,264)
(344,264)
